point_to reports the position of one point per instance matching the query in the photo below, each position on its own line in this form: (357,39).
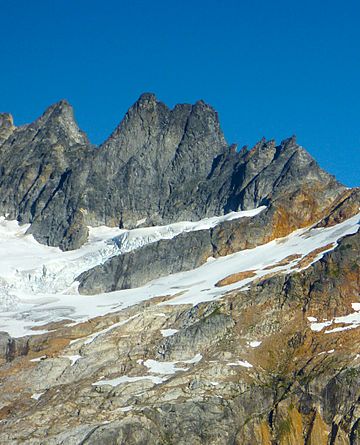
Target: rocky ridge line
(158,166)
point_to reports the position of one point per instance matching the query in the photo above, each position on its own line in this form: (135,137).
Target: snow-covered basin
(35,307)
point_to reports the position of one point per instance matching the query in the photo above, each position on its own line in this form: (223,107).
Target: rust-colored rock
(234,278)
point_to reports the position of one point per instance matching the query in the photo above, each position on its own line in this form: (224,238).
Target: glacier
(37,282)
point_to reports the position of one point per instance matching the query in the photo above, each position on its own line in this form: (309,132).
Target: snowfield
(28,265)
(37,282)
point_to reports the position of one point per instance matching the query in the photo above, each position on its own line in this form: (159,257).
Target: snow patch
(327,352)
(72,358)
(168,332)
(38,359)
(243,363)
(163,368)
(140,222)
(196,359)
(352,320)
(125,409)
(317,327)
(37,395)
(126,379)
(166,368)
(254,343)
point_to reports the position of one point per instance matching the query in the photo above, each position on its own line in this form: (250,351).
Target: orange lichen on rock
(290,427)
(284,261)
(235,277)
(300,209)
(263,433)
(319,432)
(309,258)
(344,207)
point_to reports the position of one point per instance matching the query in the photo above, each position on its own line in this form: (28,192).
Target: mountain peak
(60,108)
(149,121)
(147,97)
(58,122)
(289,142)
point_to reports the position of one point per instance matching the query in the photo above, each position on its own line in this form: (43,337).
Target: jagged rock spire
(58,124)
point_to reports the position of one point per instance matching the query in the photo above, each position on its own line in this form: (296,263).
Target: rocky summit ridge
(200,295)
(158,166)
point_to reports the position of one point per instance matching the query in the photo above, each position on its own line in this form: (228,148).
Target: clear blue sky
(270,68)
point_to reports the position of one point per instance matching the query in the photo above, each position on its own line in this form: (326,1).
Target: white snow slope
(37,282)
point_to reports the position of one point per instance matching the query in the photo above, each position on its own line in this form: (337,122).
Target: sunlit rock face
(164,288)
(6,126)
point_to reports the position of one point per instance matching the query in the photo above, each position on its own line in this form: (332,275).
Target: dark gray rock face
(152,155)
(187,423)
(36,174)
(135,431)
(161,164)
(248,179)
(196,337)
(12,347)
(133,269)
(5,345)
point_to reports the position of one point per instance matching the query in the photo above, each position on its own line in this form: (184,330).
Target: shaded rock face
(36,175)
(185,252)
(12,347)
(160,164)
(5,345)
